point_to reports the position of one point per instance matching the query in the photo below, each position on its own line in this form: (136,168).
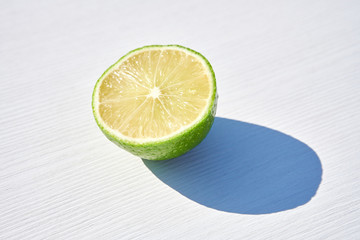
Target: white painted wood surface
(291,66)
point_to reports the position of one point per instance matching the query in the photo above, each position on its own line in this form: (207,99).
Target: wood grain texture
(291,66)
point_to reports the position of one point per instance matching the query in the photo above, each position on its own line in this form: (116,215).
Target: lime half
(156,102)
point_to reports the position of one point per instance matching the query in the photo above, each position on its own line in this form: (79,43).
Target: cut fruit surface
(154,94)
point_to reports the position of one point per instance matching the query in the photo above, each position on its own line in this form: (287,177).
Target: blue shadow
(244,168)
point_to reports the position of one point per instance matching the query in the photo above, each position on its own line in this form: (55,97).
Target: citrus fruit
(157,102)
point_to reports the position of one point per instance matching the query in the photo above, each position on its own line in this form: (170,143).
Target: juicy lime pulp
(156,96)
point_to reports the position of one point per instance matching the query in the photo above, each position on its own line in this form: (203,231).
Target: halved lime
(156,102)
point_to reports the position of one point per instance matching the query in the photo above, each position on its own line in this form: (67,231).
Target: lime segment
(154,96)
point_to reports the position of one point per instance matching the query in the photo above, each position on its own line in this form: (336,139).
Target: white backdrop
(290,66)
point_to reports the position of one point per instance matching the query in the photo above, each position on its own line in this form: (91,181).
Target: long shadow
(244,168)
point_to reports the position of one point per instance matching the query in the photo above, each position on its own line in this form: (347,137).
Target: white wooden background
(291,66)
